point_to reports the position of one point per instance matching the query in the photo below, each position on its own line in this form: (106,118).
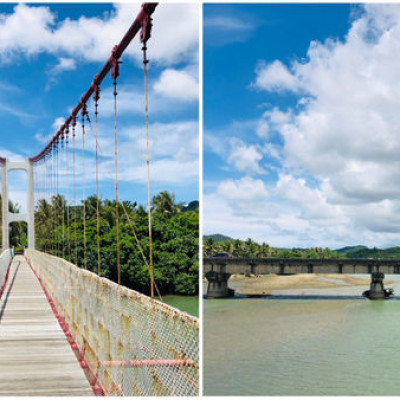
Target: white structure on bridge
(9,217)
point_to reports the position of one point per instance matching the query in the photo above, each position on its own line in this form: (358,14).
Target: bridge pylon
(8,217)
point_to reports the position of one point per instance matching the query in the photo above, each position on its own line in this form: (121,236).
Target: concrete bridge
(218,270)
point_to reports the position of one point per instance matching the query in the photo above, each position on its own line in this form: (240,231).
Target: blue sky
(301,128)
(49,54)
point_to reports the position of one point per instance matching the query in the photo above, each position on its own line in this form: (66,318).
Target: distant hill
(192,206)
(365,252)
(218,237)
(351,249)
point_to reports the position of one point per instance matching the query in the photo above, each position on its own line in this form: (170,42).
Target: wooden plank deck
(35,357)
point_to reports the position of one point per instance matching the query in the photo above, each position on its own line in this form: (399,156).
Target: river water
(187,304)
(308,342)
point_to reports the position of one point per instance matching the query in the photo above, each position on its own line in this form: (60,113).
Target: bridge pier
(218,285)
(376,289)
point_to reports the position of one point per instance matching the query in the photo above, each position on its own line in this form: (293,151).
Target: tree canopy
(175,239)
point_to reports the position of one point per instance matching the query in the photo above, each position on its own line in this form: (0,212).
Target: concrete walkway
(35,357)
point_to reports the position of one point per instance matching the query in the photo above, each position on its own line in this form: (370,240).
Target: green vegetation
(175,240)
(365,252)
(250,249)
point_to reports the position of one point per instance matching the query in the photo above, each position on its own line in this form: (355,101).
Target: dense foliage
(251,249)
(175,240)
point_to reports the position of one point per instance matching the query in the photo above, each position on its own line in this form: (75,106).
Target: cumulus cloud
(245,158)
(166,171)
(131,101)
(174,153)
(345,132)
(244,189)
(275,77)
(31,30)
(339,146)
(267,220)
(178,85)
(173,149)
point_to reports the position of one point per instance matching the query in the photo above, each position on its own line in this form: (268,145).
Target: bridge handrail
(5,262)
(136,345)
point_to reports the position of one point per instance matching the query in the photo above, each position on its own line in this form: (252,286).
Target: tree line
(59,230)
(251,249)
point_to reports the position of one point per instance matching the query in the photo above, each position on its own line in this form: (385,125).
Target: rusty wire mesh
(136,345)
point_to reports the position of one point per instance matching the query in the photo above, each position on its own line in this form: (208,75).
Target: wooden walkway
(35,357)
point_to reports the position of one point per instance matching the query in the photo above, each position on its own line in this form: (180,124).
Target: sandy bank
(266,284)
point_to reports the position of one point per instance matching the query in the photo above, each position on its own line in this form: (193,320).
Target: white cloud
(130,101)
(245,158)
(5,153)
(228,25)
(264,220)
(57,123)
(225,23)
(262,129)
(275,77)
(338,179)
(312,203)
(64,64)
(166,171)
(178,85)
(173,152)
(344,132)
(31,30)
(245,189)
(220,141)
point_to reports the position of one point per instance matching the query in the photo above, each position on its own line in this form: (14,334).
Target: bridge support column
(29,216)
(31,206)
(376,289)
(218,285)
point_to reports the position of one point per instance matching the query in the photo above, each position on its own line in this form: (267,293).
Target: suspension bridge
(65,330)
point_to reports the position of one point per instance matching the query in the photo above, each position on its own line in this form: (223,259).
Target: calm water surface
(188,304)
(293,346)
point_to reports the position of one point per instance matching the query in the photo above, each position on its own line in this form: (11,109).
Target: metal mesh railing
(5,259)
(135,345)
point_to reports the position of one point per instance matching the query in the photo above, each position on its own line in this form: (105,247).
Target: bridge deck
(35,357)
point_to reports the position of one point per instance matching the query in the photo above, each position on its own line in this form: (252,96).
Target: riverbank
(266,284)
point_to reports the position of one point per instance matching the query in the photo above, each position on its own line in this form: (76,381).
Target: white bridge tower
(8,217)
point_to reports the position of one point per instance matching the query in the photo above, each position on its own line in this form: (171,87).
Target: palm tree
(165,203)
(208,247)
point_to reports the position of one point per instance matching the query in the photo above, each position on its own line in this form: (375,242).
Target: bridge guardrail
(5,261)
(134,344)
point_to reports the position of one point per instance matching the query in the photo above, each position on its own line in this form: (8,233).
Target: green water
(188,304)
(302,346)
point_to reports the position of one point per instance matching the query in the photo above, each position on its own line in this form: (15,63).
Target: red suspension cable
(143,21)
